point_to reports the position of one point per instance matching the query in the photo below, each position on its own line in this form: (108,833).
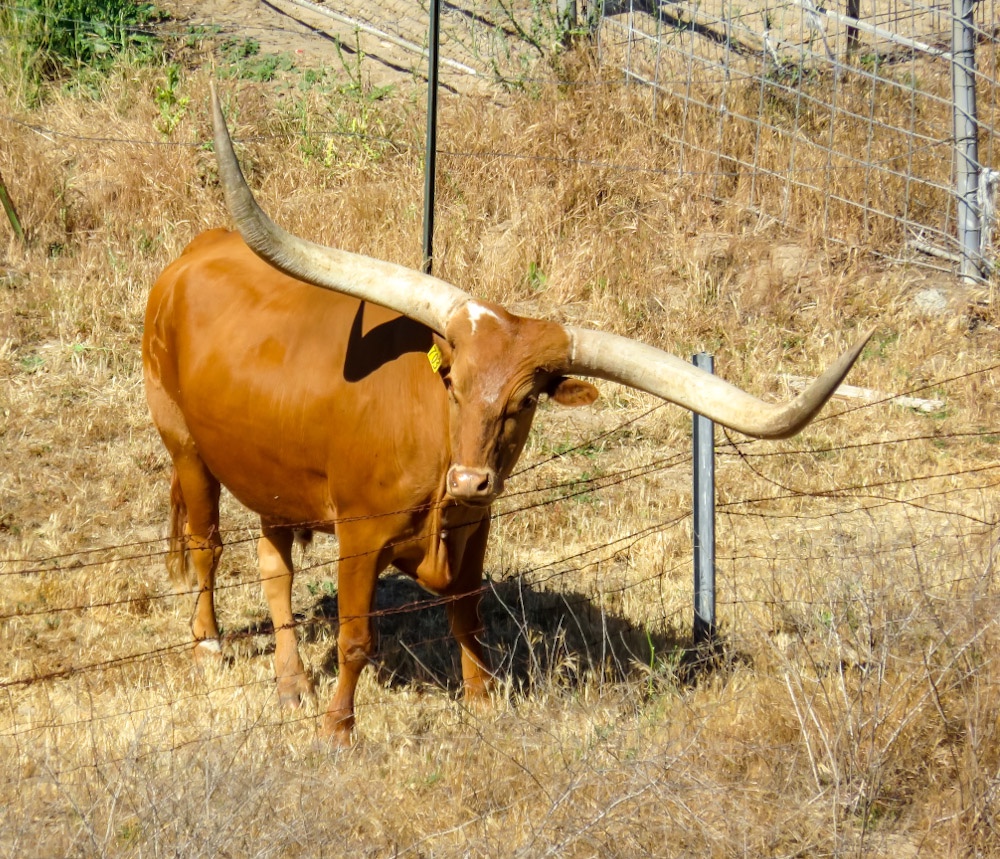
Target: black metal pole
(430,166)
(704,519)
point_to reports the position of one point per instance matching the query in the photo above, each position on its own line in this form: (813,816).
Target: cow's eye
(528,402)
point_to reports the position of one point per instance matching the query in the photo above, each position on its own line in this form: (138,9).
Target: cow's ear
(440,356)
(571,392)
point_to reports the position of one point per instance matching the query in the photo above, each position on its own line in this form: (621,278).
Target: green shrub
(52,39)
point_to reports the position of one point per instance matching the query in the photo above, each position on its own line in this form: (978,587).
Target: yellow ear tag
(435,357)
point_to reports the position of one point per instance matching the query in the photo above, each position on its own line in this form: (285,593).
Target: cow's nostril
(472,485)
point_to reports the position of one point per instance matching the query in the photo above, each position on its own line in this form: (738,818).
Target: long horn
(617,359)
(412,293)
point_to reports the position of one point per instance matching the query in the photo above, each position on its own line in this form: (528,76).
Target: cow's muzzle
(476,487)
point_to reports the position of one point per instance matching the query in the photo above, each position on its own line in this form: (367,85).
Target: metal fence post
(430,160)
(704,519)
(963,77)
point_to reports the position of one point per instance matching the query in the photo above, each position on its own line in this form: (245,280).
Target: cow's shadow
(532,636)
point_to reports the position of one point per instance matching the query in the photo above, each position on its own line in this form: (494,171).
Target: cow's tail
(182,574)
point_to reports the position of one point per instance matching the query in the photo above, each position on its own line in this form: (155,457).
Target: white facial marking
(478,311)
(211,644)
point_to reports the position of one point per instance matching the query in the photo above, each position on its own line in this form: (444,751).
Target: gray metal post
(963,78)
(430,160)
(704,519)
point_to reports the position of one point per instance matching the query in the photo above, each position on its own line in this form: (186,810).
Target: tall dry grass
(852,708)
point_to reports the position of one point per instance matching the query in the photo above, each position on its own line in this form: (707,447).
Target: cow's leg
(194,505)
(200,490)
(463,614)
(274,553)
(357,575)
(180,570)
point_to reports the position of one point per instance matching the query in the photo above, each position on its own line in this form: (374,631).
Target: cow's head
(494,364)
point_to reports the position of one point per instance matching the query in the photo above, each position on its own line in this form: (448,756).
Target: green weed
(56,39)
(172,106)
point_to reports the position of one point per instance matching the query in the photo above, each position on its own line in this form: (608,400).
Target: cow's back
(304,403)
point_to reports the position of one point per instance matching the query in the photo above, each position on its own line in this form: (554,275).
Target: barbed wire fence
(941,498)
(841,607)
(550,626)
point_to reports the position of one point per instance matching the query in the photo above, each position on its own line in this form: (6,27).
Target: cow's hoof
(208,651)
(338,729)
(480,698)
(292,690)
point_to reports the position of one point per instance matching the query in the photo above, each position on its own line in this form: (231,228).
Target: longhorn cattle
(335,392)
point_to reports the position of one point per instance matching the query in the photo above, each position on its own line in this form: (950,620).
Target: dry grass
(853,707)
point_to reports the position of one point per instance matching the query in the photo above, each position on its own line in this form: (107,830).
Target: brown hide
(320,411)
(305,404)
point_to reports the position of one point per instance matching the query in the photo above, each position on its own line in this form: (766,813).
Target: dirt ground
(390,36)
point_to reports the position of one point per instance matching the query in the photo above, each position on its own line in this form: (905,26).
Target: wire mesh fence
(757,75)
(858,91)
(811,74)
